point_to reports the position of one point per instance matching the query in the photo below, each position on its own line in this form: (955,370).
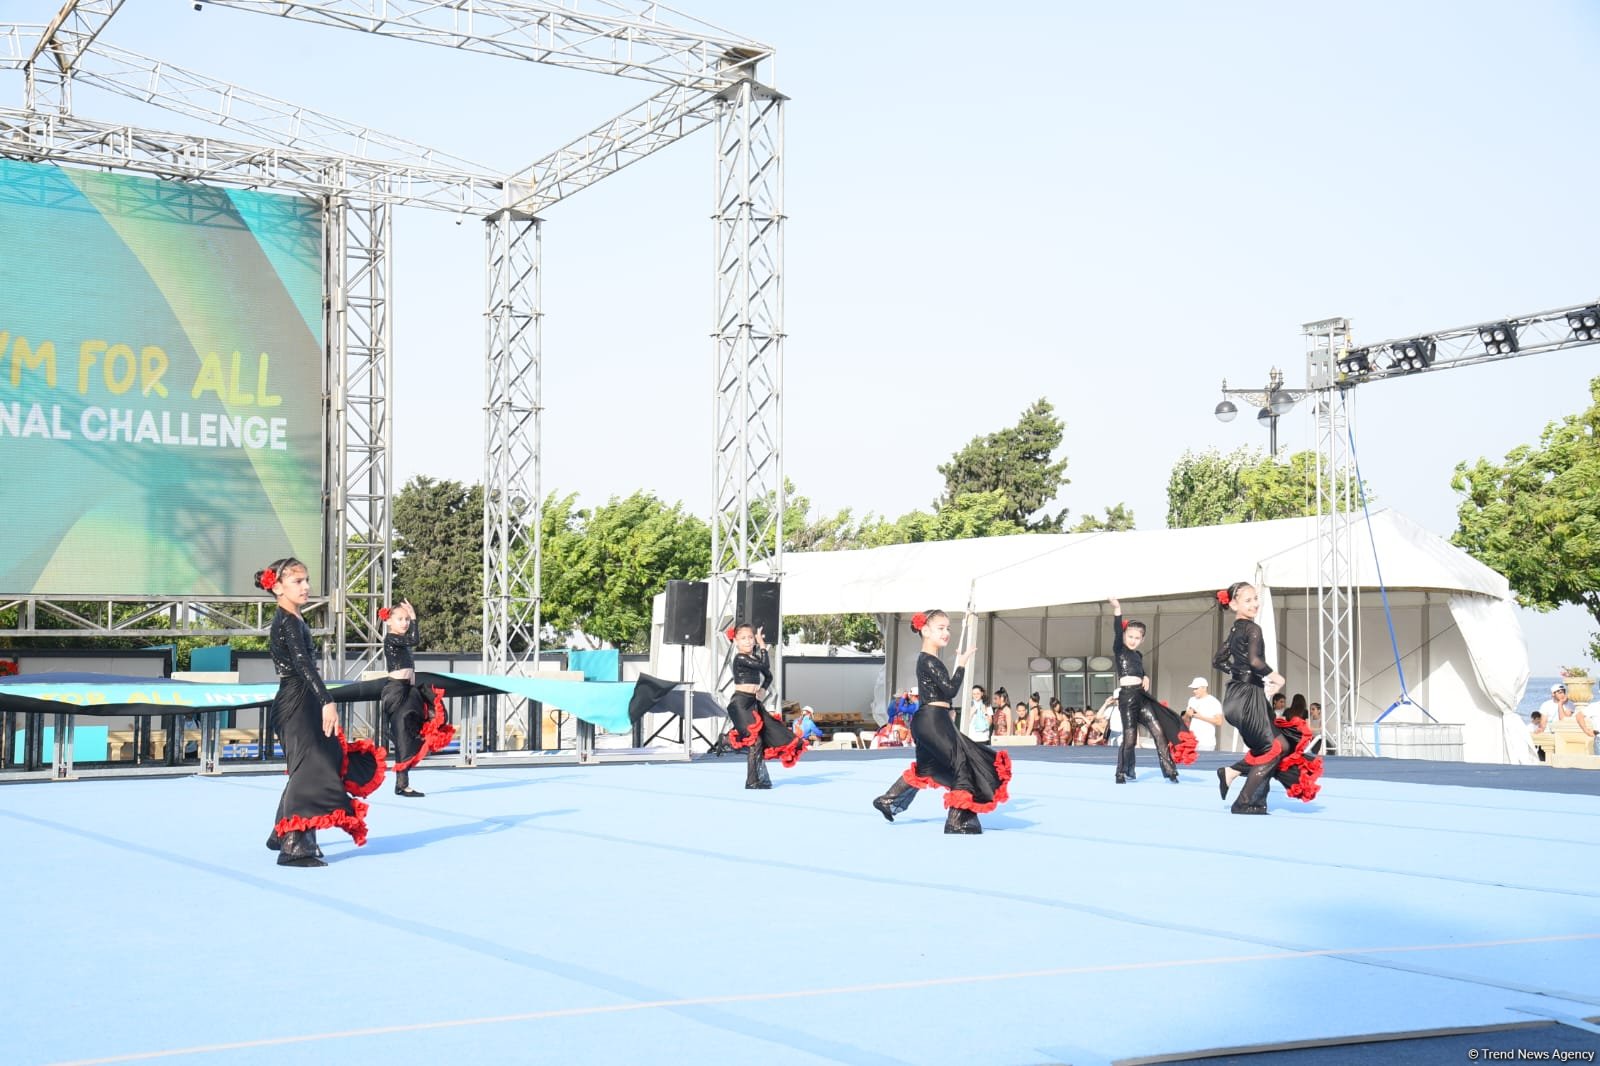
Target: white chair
(843,738)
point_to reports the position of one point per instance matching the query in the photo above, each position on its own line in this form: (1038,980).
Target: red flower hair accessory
(383,614)
(918,620)
(1223,597)
(269,578)
(730,632)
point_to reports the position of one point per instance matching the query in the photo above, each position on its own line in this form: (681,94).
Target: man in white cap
(1557,706)
(1203,715)
(805,727)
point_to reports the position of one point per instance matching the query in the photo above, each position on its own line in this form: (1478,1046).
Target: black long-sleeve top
(1130,663)
(753,669)
(293,654)
(934,682)
(1243,654)
(397,649)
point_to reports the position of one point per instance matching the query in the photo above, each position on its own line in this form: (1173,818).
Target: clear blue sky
(1110,205)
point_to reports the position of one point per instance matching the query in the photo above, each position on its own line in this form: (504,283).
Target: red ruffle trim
(960,797)
(370,764)
(736,741)
(1183,752)
(789,754)
(436,734)
(1267,756)
(1310,781)
(354,824)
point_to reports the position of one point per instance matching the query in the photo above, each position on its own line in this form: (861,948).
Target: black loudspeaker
(686,613)
(758,604)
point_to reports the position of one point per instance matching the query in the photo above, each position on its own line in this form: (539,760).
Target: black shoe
(409,793)
(1251,808)
(1173,777)
(298,850)
(1122,779)
(1222,781)
(962,822)
(758,783)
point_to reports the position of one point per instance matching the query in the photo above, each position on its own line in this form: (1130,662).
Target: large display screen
(161,369)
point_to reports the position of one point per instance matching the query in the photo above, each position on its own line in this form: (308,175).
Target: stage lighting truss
(1499,338)
(1412,355)
(1585,323)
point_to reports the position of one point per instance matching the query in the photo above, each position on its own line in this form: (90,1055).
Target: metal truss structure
(747,466)
(707,74)
(513,507)
(1334,367)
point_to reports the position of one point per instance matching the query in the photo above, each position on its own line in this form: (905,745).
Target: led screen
(161,368)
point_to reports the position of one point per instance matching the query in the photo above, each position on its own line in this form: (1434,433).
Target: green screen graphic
(161,423)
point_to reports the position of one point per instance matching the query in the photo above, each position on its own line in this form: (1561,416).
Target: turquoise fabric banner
(603,664)
(604,703)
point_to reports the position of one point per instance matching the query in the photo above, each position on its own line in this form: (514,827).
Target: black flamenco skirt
(1299,774)
(977,777)
(1179,739)
(754,724)
(417,723)
(327,775)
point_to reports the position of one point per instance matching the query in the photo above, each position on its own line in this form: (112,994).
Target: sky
(1112,206)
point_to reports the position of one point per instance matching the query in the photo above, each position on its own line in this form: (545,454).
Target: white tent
(1039,602)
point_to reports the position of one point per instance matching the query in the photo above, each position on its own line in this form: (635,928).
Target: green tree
(438,541)
(1245,485)
(603,567)
(1015,463)
(1536,517)
(1118,518)
(971,514)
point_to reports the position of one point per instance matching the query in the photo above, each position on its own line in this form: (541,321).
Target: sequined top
(293,654)
(934,683)
(1130,663)
(397,649)
(1243,653)
(753,669)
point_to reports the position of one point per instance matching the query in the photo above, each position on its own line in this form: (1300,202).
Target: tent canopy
(1028,571)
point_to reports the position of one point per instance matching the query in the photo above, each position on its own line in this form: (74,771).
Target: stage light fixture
(1499,339)
(1354,361)
(1226,411)
(1585,324)
(1414,354)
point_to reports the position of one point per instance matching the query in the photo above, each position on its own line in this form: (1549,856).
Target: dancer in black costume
(976,775)
(754,727)
(402,701)
(1274,748)
(325,773)
(1135,705)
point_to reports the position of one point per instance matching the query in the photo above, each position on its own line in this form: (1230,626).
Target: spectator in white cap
(1203,715)
(806,727)
(1557,706)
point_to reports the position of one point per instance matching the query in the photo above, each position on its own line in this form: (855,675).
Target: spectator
(1046,728)
(1280,704)
(1024,723)
(1557,706)
(1298,708)
(805,727)
(1319,746)
(1203,715)
(978,720)
(1537,728)
(1000,715)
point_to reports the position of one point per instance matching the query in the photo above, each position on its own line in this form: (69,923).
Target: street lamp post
(1275,401)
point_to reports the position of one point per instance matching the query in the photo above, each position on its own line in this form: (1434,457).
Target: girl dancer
(1136,706)
(763,733)
(976,775)
(417,728)
(325,773)
(1274,748)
